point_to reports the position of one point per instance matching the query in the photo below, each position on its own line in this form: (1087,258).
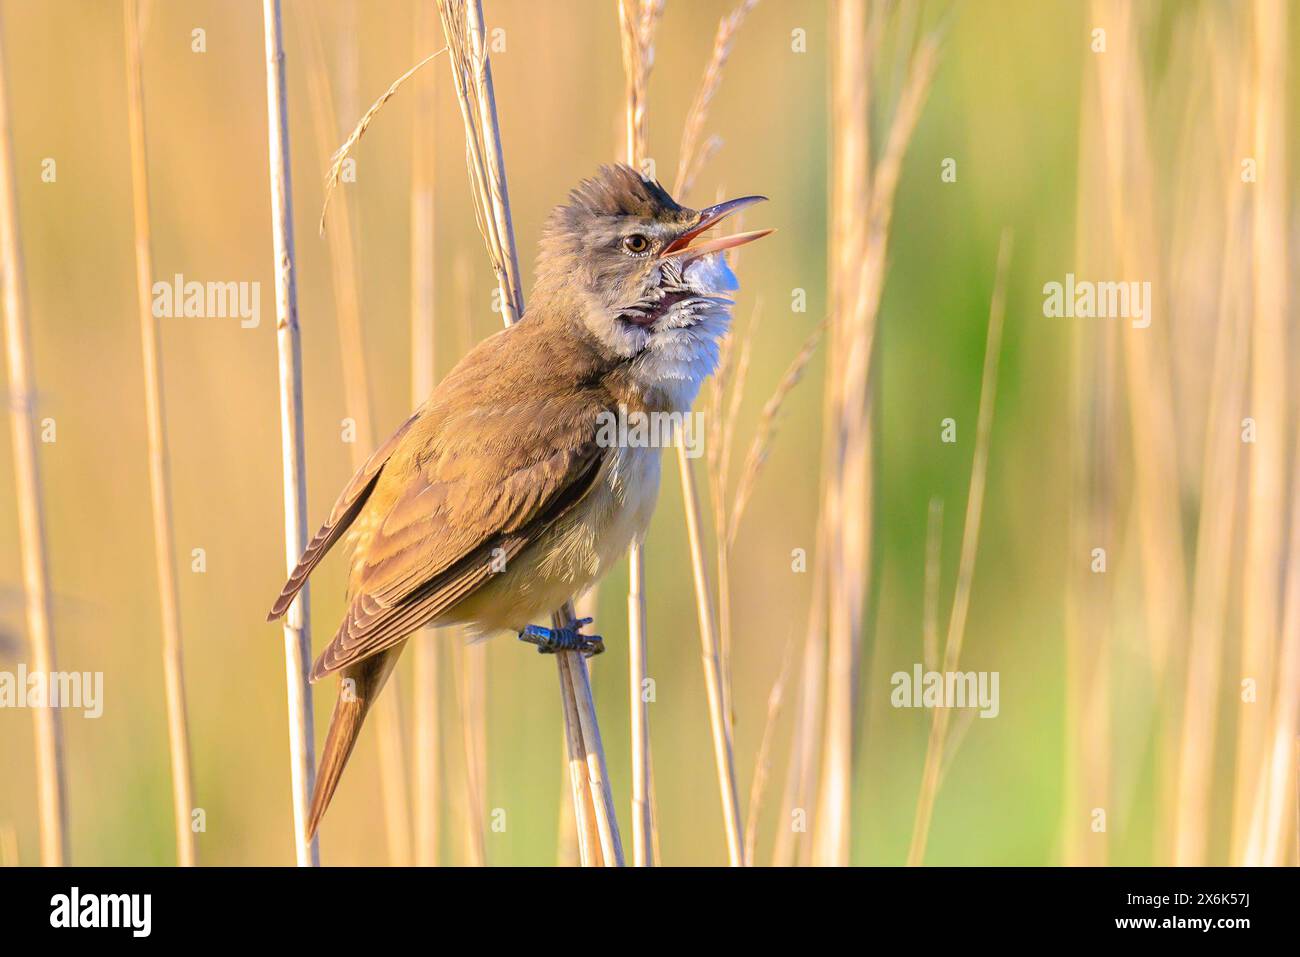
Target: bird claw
(551,640)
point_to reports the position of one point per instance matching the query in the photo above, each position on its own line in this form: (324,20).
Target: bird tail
(359,686)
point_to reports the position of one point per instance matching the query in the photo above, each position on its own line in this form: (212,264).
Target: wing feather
(349,504)
(439,541)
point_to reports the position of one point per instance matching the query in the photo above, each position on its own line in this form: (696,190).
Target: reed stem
(936,748)
(637,19)
(720,727)
(345,277)
(427,651)
(178,737)
(297,623)
(51,791)
(462,22)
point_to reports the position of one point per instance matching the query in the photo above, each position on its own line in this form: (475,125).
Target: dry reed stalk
(1128,185)
(1275,787)
(637,20)
(761,445)
(803,767)
(1130,188)
(356,395)
(691,158)
(567,851)
(935,749)
(719,723)
(358,131)
(51,789)
(472,697)
(763,762)
(1259,830)
(1089,597)
(1089,601)
(847,489)
(427,652)
(1266,499)
(297,623)
(716,676)
(933,569)
(470,703)
(719,473)
(178,736)
(727,522)
(590,847)
(642,784)
(862,207)
(8,846)
(472,75)
(1215,535)
(485,97)
(428,748)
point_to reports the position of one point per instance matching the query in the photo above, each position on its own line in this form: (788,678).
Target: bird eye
(636,244)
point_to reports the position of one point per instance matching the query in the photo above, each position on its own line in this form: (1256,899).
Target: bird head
(648,284)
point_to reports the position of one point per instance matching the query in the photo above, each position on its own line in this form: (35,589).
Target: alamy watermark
(133,912)
(946,689)
(624,429)
(1084,299)
(179,299)
(82,690)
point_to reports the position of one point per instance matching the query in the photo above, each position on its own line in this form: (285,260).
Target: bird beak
(681,248)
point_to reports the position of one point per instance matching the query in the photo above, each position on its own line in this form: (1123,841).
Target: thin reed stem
(933,566)
(51,791)
(472,75)
(356,396)
(472,696)
(8,846)
(642,784)
(637,19)
(791,846)
(297,623)
(763,762)
(724,757)
(507,258)
(1261,601)
(1276,785)
(862,203)
(935,749)
(1216,529)
(1131,178)
(427,649)
(178,736)
(716,671)
(1271,642)
(691,157)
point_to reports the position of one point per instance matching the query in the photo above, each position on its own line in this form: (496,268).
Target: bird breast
(596,534)
(577,551)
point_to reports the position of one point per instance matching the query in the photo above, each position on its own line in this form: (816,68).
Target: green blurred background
(1005,105)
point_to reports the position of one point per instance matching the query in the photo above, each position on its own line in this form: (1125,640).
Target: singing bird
(502,497)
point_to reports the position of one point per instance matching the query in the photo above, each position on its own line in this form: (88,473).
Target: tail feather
(345,726)
(359,685)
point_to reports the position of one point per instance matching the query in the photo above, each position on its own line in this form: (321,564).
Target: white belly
(578,551)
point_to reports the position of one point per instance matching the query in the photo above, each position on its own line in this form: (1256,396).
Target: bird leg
(551,640)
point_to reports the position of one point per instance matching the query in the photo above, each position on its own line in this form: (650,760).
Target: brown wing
(497,478)
(346,509)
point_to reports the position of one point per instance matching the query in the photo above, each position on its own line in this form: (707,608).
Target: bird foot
(551,640)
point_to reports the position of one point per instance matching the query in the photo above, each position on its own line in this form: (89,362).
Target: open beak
(681,248)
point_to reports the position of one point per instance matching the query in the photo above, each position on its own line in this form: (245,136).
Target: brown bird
(502,497)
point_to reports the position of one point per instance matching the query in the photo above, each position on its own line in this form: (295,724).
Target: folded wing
(491,484)
(350,502)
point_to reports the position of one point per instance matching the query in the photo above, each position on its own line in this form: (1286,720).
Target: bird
(502,497)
